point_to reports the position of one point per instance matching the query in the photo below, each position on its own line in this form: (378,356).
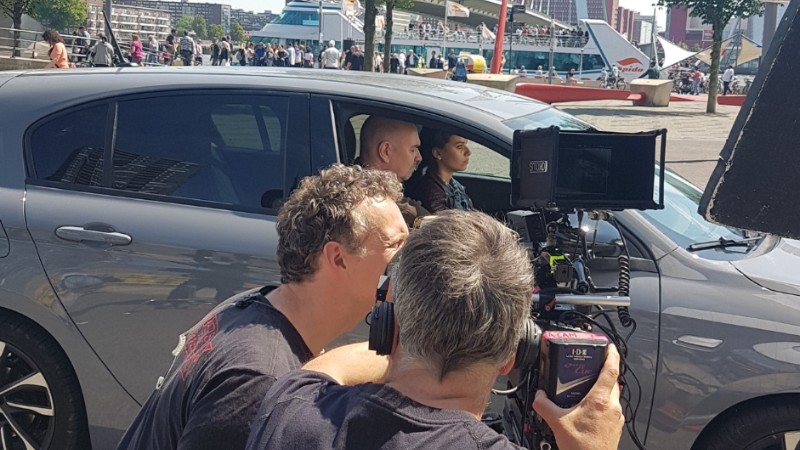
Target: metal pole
(580,68)
(497,56)
(107,8)
(770,23)
(552,50)
(511,64)
(653,37)
(321,43)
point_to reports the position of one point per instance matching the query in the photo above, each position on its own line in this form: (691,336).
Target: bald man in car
(393,145)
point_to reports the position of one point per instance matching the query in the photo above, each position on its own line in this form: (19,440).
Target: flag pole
(497,56)
(444,31)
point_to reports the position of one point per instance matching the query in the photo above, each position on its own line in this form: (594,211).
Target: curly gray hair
(325,208)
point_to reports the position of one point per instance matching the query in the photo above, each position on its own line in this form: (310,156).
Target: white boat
(601,46)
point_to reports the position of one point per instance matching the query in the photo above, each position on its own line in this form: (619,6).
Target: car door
(149,210)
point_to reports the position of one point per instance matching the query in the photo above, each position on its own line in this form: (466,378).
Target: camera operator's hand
(594,423)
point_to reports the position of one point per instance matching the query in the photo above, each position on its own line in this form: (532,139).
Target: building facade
(213,13)
(625,22)
(128,20)
(251,21)
(572,11)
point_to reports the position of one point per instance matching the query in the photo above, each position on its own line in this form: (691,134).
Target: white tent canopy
(672,53)
(749,51)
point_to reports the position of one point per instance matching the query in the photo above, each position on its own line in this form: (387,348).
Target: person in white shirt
(727,77)
(330,57)
(539,72)
(292,55)
(401,59)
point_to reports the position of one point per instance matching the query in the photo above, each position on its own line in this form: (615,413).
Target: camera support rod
(590,300)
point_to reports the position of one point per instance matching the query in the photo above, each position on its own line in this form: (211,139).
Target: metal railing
(474,37)
(18,43)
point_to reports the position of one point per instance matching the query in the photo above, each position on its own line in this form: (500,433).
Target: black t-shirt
(212,392)
(308,410)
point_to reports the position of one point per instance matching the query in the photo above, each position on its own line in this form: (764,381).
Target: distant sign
(708,35)
(516,9)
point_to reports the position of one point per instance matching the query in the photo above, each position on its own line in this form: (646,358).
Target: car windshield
(547,118)
(680,221)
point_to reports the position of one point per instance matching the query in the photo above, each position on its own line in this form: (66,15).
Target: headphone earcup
(381,328)
(528,348)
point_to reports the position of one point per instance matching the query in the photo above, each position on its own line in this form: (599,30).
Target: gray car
(134,200)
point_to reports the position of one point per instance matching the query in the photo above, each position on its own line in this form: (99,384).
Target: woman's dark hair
(52,37)
(431,138)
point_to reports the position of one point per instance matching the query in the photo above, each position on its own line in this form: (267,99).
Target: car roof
(435,95)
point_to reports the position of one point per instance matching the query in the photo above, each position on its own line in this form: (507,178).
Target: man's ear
(508,365)
(333,256)
(383,151)
(436,152)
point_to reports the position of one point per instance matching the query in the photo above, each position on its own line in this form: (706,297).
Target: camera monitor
(551,168)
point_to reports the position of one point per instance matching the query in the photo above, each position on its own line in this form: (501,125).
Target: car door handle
(80,234)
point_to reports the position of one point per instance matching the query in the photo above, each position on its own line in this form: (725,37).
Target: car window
(239,127)
(69,147)
(226,149)
(485,161)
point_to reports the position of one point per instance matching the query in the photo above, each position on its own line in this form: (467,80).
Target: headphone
(381,330)
(381,321)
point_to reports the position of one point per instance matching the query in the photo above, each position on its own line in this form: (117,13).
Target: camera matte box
(570,362)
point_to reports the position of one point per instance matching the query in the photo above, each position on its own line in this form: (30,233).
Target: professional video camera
(561,178)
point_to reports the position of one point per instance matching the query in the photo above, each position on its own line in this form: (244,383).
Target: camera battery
(570,362)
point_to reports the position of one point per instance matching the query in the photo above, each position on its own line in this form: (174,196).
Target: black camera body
(557,176)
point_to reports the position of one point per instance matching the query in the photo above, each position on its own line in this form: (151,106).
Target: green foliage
(199,27)
(237,33)
(15,9)
(717,13)
(59,14)
(696,47)
(185,23)
(216,31)
(683,45)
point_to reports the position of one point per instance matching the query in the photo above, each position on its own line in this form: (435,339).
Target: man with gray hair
(336,235)
(462,294)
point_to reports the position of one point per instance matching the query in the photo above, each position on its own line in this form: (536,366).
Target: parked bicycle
(614,83)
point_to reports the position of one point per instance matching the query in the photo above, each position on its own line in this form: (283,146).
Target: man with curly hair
(336,235)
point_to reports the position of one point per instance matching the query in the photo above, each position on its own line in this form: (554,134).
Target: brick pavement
(694,138)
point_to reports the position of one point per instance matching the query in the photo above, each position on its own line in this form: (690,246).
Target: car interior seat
(350,142)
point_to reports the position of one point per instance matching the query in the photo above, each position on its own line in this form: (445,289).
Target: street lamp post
(580,68)
(321,41)
(654,34)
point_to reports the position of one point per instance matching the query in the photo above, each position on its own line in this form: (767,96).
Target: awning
(749,51)
(672,53)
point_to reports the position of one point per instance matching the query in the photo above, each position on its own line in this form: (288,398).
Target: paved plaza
(694,138)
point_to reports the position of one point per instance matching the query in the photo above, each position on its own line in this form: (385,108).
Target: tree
(237,33)
(59,14)
(390,5)
(717,13)
(696,47)
(185,23)
(683,45)
(370,11)
(216,31)
(199,27)
(15,9)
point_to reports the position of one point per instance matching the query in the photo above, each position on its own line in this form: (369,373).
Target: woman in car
(57,52)
(433,185)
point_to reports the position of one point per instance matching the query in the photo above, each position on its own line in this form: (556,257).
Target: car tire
(40,399)
(766,425)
